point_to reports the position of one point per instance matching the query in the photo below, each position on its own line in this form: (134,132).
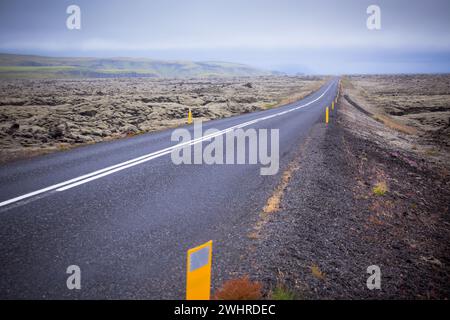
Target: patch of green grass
(35,68)
(281,293)
(380,189)
(33,72)
(122,71)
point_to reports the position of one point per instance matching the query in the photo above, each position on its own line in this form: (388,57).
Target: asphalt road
(126,215)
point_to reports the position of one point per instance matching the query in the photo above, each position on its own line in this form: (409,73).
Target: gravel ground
(331,225)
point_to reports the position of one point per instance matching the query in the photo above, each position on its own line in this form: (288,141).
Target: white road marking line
(65,185)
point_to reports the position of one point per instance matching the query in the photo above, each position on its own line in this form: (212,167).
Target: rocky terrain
(357,195)
(417,105)
(39,116)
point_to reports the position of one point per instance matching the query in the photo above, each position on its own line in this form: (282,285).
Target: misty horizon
(292,71)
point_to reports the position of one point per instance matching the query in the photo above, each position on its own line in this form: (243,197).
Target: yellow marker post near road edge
(189,116)
(332,106)
(327,115)
(198,272)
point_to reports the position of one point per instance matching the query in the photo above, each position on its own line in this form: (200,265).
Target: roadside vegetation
(380,188)
(239,289)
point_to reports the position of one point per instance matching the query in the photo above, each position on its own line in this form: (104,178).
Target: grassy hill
(29,66)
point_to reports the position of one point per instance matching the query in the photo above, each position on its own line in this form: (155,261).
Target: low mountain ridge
(32,66)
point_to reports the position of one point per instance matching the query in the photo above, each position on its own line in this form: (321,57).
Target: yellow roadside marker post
(198,273)
(327,115)
(332,106)
(189,116)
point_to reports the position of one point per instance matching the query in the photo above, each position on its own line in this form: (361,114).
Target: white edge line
(65,185)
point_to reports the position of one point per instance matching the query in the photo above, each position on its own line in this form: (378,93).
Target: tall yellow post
(332,106)
(189,116)
(327,115)
(198,272)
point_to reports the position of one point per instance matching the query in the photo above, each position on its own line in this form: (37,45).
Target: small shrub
(316,272)
(239,289)
(380,189)
(282,293)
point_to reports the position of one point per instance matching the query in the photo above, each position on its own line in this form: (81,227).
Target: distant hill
(29,66)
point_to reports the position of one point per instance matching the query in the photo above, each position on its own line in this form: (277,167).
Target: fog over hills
(32,66)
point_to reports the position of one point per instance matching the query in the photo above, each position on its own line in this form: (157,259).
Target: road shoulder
(331,223)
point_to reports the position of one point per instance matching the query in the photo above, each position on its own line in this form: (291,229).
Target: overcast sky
(314,36)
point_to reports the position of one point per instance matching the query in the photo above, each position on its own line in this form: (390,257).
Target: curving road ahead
(125,214)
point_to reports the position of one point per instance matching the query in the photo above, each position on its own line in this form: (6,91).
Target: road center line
(65,185)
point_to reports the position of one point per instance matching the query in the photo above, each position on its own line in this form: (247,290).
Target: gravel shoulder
(331,225)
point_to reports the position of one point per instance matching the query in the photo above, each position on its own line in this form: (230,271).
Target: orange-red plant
(239,289)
